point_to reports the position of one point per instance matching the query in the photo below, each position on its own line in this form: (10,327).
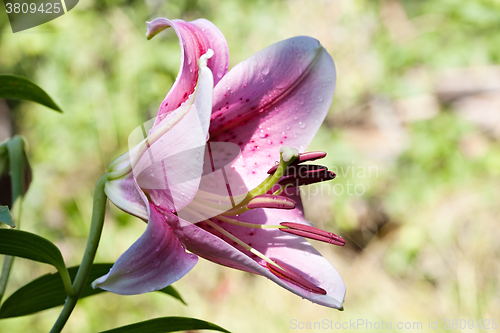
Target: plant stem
(97,223)
(7,265)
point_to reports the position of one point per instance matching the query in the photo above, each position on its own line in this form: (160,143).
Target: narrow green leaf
(47,292)
(18,87)
(167,324)
(30,246)
(5,216)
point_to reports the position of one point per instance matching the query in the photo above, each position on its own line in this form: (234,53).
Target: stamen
(245,245)
(288,274)
(247,224)
(310,177)
(313,233)
(271,201)
(304,157)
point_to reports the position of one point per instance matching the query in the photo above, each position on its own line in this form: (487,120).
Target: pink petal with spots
(156,260)
(280,96)
(195,38)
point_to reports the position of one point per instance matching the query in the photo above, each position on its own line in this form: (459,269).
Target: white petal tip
(202,62)
(98,281)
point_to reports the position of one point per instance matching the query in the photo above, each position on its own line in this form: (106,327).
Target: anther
(271,201)
(288,274)
(304,169)
(311,232)
(304,157)
(306,178)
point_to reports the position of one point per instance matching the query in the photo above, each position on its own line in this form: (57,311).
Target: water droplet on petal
(265,70)
(302,124)
(151,288)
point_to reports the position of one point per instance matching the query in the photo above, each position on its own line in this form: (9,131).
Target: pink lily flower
(206,177)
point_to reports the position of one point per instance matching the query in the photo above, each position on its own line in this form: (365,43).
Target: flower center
(288,173)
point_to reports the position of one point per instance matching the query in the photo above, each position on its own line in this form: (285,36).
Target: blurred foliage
(422,237)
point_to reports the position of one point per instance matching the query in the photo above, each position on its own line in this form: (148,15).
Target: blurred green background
(417,107)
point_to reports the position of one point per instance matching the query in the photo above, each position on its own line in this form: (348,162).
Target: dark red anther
(304,157)
(313,233)
(271,201)
(306,178)
(304,169)
(290,275)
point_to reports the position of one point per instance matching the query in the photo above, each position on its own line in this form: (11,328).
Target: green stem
(63,271)
(15,149)
(7,265)
(98,212)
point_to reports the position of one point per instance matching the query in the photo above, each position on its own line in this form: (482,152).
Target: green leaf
(5,216)
(167,324)
(18,87)
(30,246)
(47,292)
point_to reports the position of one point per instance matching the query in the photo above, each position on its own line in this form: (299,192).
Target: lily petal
(280,96)
(195,38)
(123,193)
(169,170)
(156,260)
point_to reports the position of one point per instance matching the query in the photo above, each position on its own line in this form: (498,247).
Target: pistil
(271,201)
(287,157)
(304,157)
